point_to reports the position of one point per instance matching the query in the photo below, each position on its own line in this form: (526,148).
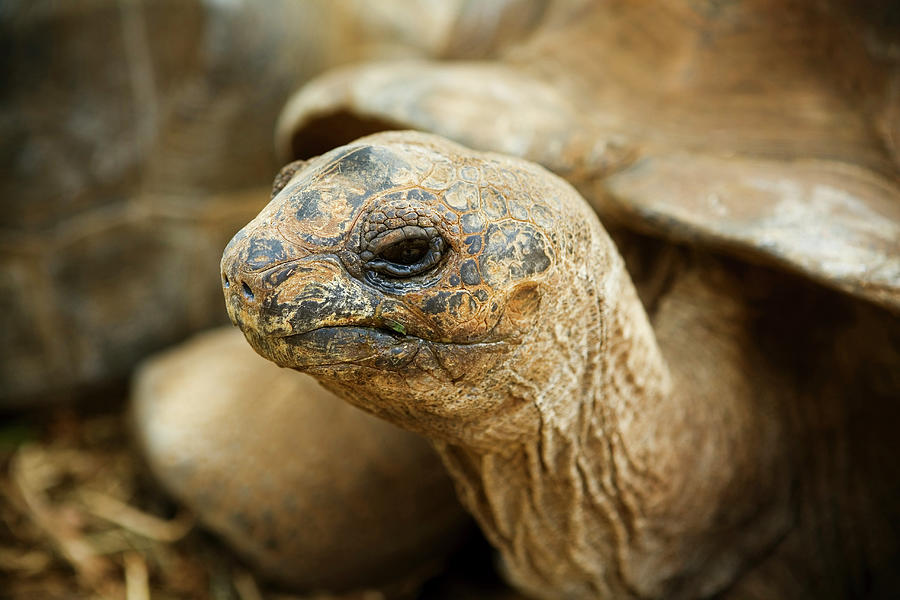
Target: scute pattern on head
(330,202)
(513,251)
(376,190)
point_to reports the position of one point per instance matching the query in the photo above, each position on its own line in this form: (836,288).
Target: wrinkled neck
(626,477)
(558,504)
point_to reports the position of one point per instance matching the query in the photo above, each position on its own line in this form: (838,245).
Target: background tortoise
(136,137)
(737,435)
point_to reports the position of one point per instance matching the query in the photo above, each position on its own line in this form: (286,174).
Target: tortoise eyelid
(405,233)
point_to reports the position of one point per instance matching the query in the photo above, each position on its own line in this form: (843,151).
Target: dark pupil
(406,252)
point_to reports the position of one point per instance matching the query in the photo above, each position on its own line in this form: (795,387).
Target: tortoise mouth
(381,348)
(378,347)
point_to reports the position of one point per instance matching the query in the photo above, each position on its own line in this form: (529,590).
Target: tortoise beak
(309,312)
(295,296)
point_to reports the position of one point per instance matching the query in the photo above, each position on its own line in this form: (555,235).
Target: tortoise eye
(404,252)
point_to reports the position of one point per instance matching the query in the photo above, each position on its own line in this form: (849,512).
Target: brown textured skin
(312,492)
(732,445)
(768,129)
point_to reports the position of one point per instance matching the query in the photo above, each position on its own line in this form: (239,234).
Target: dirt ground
(80,517)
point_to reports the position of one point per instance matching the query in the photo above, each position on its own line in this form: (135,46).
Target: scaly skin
(599,461)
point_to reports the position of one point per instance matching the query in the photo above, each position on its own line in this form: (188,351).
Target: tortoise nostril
(248,293)
(225,282)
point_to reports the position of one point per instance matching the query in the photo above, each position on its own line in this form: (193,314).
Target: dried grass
(81,518)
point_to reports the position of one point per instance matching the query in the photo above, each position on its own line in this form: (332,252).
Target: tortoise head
(407,274)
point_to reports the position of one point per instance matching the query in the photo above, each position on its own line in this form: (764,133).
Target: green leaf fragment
(398,327)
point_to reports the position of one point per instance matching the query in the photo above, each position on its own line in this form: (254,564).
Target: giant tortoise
(136,136)
(733,432)
(700,419)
